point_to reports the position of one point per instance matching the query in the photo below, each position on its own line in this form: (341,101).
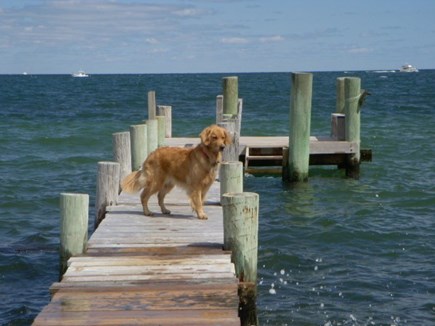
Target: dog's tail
(133,182)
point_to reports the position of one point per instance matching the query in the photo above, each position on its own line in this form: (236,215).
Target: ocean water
(332,251)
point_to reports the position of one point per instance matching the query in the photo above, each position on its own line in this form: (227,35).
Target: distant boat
(80,73)
(408,68)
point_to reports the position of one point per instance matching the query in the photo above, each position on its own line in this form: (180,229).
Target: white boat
(408,68)
(80,73)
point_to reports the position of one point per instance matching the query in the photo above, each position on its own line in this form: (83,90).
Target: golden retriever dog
(193,169)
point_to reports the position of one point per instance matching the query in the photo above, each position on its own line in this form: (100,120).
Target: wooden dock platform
(140,270)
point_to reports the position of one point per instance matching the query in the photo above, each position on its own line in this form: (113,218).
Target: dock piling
(151,105)
(300,125)
(152,135)
(107,188)
(231,177)
(139,145)
(161,130)
(166,111)
(230,95)
(122,153)
(74,217)
(352,86)
(240,213)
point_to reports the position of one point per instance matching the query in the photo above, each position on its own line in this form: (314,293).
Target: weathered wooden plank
(166,299)
(162,276)
(148,261)
(143,285)
(144,317)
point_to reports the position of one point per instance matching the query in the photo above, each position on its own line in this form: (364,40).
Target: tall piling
(352,86)
(107,188)
(300,125)
(230,87)
(240,212)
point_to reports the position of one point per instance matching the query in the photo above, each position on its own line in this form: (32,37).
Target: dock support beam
(139,145)
(74,217)
(300,125)
(240,212)
(352,89)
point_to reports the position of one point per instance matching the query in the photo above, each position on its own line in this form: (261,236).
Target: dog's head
(215,138)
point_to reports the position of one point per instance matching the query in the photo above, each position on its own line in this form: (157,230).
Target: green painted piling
(161,130)
(151,105)
(139,145)
(352,86)
(340,100)
(152,135)
(300,125)
(74,217)
(231,177)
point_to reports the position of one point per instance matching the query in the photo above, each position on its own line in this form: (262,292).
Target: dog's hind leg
(144,197)
(161,197)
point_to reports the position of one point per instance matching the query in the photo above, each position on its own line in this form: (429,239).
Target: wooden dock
(139,270)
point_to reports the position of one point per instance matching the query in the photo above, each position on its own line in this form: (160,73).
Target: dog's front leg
(196,199)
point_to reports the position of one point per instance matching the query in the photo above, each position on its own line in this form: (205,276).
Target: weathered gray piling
(122,153)
(107,188)
(139,145)
(300,125)
(74,217)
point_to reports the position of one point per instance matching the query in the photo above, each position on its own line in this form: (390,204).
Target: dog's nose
(222,147)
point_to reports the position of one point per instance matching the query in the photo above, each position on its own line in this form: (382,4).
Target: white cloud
(271,39)
(359,50)
(234,40)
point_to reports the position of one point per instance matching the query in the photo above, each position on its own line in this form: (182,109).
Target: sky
(196,36)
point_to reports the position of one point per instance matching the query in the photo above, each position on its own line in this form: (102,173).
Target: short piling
(139,145)
(240,212)
(74,217)
(300,125)
(107,188)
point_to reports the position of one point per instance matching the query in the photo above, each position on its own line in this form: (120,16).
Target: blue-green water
(333,251)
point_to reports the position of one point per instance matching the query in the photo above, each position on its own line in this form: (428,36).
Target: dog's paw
(148,213)
(203,217)
(166,211)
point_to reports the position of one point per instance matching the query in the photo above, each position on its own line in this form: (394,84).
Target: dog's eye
(214,137)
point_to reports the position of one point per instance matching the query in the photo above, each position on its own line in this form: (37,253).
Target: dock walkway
(139,270)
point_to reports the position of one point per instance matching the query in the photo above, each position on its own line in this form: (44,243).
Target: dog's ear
(228,138)
(205,136)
